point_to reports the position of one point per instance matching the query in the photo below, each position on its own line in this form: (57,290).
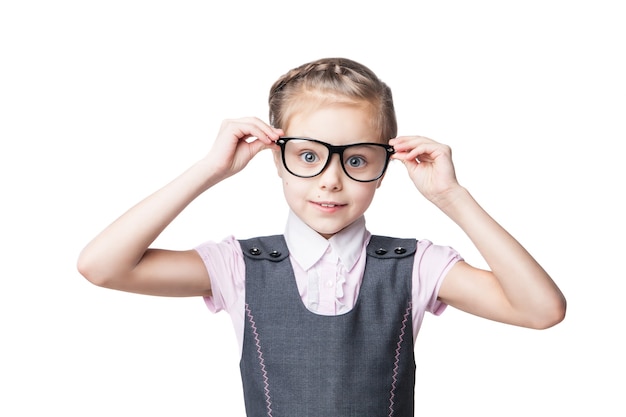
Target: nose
(332,176)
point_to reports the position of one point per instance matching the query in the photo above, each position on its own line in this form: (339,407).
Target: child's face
(331,200)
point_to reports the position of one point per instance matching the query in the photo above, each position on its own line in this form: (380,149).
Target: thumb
(257,146)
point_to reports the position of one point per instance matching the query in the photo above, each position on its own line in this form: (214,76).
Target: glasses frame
(334,149)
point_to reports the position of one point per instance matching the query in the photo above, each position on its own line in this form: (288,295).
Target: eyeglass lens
(362,162)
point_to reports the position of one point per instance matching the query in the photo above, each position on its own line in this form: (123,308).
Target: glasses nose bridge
(332,150)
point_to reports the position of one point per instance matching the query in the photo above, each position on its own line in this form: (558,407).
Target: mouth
(328,204)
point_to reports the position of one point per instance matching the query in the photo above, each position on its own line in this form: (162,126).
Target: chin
(328,233)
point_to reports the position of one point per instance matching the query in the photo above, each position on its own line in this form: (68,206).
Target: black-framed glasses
(362,162)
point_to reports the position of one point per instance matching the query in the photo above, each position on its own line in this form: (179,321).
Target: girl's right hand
(125,261)
(238,141)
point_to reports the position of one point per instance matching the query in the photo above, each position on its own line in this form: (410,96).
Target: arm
(516,290)
(120,256)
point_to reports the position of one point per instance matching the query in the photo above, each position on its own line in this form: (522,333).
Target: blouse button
(275,254)
(255,251)
(381,251)
(399,250)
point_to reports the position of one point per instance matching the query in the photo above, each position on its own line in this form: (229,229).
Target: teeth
(327,205)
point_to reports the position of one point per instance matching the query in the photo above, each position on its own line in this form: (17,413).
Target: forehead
(336,123)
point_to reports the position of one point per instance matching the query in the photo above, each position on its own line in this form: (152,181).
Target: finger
(250,129)
(257,146)
(402,143)
(266,131)
(268,134)
(419,148)
(423,153)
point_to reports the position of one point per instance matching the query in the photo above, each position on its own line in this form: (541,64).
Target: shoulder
(229,247)
(432,260)
(427,250)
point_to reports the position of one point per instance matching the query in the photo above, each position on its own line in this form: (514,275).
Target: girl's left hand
(429,165)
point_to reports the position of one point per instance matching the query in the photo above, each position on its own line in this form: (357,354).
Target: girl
(326,314)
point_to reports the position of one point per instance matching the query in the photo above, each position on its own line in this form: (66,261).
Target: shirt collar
(307,246)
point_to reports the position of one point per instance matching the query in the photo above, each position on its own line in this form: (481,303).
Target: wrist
(453,201)
(200,176)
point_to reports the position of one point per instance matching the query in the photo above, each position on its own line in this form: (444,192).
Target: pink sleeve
(432,263)
(225,265)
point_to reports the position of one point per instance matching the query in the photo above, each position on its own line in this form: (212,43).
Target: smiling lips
(328,205)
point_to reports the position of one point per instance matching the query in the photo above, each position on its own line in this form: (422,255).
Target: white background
(102,103)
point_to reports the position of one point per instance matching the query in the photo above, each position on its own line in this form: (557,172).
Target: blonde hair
(333,80)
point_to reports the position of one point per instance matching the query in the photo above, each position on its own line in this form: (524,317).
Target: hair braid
(336,79)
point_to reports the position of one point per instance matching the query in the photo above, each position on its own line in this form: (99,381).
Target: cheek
(288,186)
(293,189)
(366,195)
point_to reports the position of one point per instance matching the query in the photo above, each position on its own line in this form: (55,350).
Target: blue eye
(355,162)
(309,157)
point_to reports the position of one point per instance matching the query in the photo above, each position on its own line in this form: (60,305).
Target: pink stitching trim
(397,359)
(268,400)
